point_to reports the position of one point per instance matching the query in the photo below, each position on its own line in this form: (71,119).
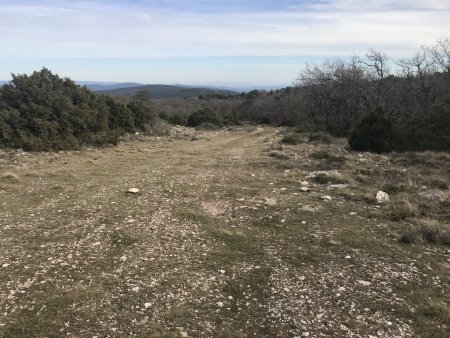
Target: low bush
(377,133)
(435,234)
(178,119)
(320,137)
(202,116)
(402,209)
(374,132)
(293,139)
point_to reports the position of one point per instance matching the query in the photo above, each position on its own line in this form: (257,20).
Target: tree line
(405,101)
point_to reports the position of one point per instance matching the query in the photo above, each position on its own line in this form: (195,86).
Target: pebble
(133,190)
(219,304)
(147,305)
(364,283)
(326,198)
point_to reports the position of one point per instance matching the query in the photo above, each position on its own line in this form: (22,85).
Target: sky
(216,42)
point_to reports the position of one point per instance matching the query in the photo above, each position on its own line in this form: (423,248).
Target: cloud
(107,31)
(381,5)
(131,30)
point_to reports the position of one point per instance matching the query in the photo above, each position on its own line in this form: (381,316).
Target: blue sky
(234,43)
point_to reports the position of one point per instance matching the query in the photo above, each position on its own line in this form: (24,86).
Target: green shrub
(178,119)
(202,116)
(44,112)
(231,119)
(430,132)
(374,132)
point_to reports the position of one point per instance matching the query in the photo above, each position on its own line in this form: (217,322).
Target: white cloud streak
(332,28)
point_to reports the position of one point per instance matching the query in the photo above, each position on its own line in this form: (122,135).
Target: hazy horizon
(219,43)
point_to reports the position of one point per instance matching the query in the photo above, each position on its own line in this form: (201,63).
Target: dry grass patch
(9,177)
(401,209)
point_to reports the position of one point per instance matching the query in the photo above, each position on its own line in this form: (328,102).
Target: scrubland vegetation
(381,104)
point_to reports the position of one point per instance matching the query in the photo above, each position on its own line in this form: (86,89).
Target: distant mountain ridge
(102,86)
(159,91)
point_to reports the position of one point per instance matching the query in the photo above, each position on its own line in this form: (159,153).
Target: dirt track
(219,242)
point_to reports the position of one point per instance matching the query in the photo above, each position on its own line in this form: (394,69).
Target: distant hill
(102,86)
(166,91)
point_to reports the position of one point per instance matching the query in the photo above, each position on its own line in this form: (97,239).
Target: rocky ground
(231,234)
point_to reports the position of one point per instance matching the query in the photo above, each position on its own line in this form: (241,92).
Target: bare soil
(220,240)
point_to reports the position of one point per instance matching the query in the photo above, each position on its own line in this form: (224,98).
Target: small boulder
(133,190)
(326,198)
(382,197)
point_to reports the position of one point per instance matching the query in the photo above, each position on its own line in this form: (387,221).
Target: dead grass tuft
(402,209)
(9,177)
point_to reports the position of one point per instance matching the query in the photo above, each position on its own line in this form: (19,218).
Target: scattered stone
(222,271)
(334,242)
(147,305)
(123,258)
(337,186)
(314,174)
(382,197)
(133,190)
(348,257)
(219,304)
(326,198)
(364,283)
(135,289)
(304,183)
(305,189)
(309,208)
(271,201)
(5,265)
